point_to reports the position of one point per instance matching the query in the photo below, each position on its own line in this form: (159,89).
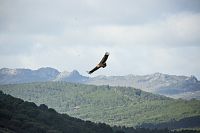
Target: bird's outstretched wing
(103,60)
(94,69)
(101,64)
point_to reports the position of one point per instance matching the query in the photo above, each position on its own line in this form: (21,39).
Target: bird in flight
(102,63)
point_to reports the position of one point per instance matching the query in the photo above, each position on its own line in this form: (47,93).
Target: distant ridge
(158,83)
(12,76)
(15,76)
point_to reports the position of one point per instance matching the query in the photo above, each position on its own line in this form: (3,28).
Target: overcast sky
(142,36)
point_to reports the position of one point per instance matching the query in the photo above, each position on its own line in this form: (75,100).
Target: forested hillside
(18,116)
(112,105)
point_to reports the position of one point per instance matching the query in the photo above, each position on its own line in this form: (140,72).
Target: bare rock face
(73,77)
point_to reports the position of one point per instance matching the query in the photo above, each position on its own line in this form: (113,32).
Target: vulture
(102,63)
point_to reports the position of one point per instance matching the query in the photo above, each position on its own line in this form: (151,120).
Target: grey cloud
(142,36)
(49,17)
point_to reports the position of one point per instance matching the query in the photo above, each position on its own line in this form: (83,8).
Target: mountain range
(169,85)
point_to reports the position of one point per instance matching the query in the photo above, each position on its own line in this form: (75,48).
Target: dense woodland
(122,106)
(18,116)
(23,117)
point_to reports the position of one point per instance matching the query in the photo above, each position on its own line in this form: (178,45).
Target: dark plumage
(102,63)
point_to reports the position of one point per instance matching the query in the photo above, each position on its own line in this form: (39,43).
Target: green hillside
(112,105)
(17,116)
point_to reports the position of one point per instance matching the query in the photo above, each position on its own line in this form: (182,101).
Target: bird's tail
(88,72)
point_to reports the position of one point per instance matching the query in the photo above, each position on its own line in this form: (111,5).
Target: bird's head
(107,53)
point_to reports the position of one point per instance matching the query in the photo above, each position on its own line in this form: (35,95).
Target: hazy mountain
(187,95)
(10,76)
(168,85)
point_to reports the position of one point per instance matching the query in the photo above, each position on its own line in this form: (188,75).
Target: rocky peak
(74,73)
(192,79)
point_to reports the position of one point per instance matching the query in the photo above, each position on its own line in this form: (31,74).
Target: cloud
(176,30)
(142,36)
(49,17)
